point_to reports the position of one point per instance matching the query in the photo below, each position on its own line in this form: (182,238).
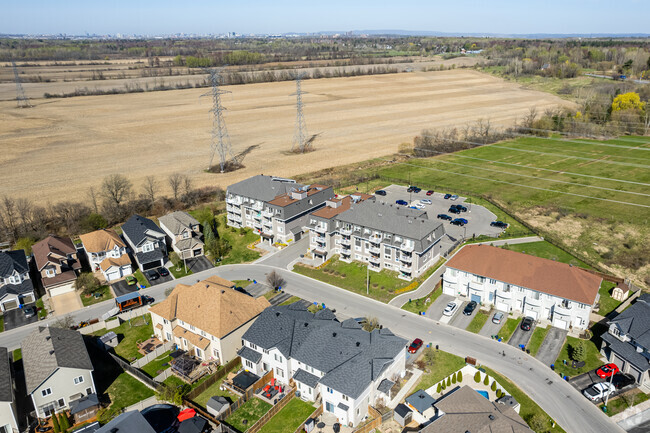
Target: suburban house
(56,260)
(627,341)
(465,410)
(184,234)
(386,236)
(147,242)
(515,282)
(8,418)
(132,421)
(16,287)
(335,362)
(207,319)
(106,251)
(274,207)
(58,370)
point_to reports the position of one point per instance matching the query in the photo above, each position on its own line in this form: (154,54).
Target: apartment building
(386,236)
(275,208)
(515,282)
(337,363)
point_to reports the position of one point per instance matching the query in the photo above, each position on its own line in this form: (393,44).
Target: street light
(368,279)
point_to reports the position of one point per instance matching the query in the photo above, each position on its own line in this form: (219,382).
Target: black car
(469,308)
(148,299)
(444,216)
(410,189)
(151,274)
(416,189)
(622,380)
(527,323)
(447,196)
(454,209)
(499,224)
(458,222)
(380,192)
(461,208)
(163,272)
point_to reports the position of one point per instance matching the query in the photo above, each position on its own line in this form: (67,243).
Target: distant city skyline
(147,17)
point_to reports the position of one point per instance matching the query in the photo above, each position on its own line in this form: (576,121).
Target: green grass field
(104,291)
(547,250)
(537,339)
(444,364)
(129,334)
(418,305)
(607,303)
(157,365)
(289,418)
(618,404)
(592,359)
(142,281)
(478,321)
(508,329)
(213,390)
(250,411)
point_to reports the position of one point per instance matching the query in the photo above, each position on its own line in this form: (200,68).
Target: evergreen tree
(494,386)
(55,424)
(487,380)
(477,377)
(459,376)
(439,389)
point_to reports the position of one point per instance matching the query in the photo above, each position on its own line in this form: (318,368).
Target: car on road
(29,312)
(415,346)
(499,224)
(454,197)
(148,299)
(607,370)
(401,202)
(430,192)
(130,280)
(450,309)
(444,216)
(163,272)
(425,201)
(497,318)
(453,209)
(459,222)
(599,391)
(447,196)
(152,274)
(469,308)
(380,192)
(527,323)
(622,380)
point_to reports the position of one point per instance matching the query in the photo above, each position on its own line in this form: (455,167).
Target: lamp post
(368,279)
(611,380)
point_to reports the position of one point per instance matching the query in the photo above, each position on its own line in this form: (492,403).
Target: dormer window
(50,272)
(147,247)
(15,279)
(186,235)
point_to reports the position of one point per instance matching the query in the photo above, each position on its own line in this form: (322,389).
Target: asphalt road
(557,397)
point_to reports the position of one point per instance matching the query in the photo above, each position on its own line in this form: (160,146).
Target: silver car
(450,309)
(498,317)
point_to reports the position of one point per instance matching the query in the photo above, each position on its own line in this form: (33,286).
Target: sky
(155,17)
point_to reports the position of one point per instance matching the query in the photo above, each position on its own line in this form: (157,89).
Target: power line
(21,99)
(585,152)
(300,142)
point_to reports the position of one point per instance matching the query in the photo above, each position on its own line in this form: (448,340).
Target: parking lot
(16,318)
(520,336)
(551,346)
(478,217)
(435,310)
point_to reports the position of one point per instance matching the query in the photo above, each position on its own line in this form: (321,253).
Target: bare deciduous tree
(24,207)
(116,188)
(9,211)
(187,185)
(275,280)
(92,195)
(175,180)
(150,188)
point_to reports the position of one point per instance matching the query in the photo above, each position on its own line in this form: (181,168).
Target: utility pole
(220,139)
(368,279)
(21,99)
(300,143)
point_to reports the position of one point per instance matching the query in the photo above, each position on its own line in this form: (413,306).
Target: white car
(425,201)
(450,309)
(419,206)
(454,197)
(599,391)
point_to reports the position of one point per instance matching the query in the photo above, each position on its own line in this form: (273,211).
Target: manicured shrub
(55,424)
(448,382)
(486,381)
(453,378)
(499,393)
(439,389)
(477,377)
(459,376)
(494,386)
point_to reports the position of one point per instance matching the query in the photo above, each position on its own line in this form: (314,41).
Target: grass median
(536,340)
(478,321)
(508,329)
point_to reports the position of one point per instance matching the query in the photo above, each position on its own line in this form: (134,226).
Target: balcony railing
(374,250)
(267,213)
(268,223)
(345,241)
(405,268)
(406,258)
(236,201)
(320,229)
(406,247)
(375,259)
(347,231)
(257,206)
(376,238)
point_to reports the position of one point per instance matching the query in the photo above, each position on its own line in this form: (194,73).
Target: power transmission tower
(220,139)
(22,100)
(300,142)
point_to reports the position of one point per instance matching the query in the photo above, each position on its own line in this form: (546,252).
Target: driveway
(257,290)
(160,279)
(16,318)
(551,346)
(585,380)
(198,264)
(460,320)
(490,328)
(435,310)
(520,336)
(288,254)
(121,288)
(66,303)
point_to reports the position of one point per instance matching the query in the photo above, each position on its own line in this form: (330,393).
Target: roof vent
(306,324)
(491,417)
(51,352)
(48,338)
(223,291)
(277,314)
(333,334)
(358,344)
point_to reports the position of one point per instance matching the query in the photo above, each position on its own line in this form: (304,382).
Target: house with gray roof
(147,242)
(8,418)
(383,235)
(58,370)
(16,287)
(183,234)
(345,366)
(275,208)
(627,341)
(128,422)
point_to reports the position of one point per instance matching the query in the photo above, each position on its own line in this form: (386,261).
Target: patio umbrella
(193,425)
(186,414)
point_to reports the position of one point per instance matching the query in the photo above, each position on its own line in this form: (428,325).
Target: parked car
(416,189)
(459,222)
(499,224)
(622,380)
(163,271)
(148,299)
(450,309)
(527,323)
(454,197)
(401,202)
(498,317)
(130,280)
(152,274)
(469,308)
(461,208)
(430,192)
(599,390)
(29,312)
(418,206)
(462,220)
(454,209)
(380,192)
(607,370)
(415,346)
(425,201)
(447,196)
(444,216)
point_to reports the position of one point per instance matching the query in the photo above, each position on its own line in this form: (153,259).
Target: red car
(607,370)
(430,192)
(417,343)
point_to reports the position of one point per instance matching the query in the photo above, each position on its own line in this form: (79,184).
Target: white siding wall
(8,417)
(62,386)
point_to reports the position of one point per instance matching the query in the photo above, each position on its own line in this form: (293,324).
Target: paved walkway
(406,388)
(513,241)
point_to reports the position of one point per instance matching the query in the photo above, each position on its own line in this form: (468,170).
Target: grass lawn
(547,250)
(157,364)
(528,407)
(592,359)
(105,293)
(239,252)
(142,281)
(42,312)
(178,273)
(251,411)
(2,323)
(536,339)
(418,305)
(289,418)
(242,283)
(607,303)
(129,334)
(508,329)
(618,404)
(202,399)
(127,390)
(443,365)
(291,300)
(478,321)
(18,355)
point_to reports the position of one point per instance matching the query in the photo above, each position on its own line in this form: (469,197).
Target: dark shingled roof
(250,354)
(6,388)
(150,256)
(137,226)
(128,422)
(350,357)
(402,410)
(11,261)
(84,403)
(626,351)
(306,377)
(420,400)
(635,321)
(25,286)
(385,386)
(264,188)
(217,402)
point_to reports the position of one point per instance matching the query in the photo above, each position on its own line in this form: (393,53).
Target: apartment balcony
(504,295)
(235,217)
(257,224)
(405,276)
(320,229)
(374,259)
(533,302)
(374,266)
(267,231)
(257,206)
(267,213)
(561,310)
(376,238)
(234,200)
(346,256)
(268,223)
(346,241)
(374,250)
(406,258)
(405,268)
(346,231)
(407,247)
(319,238)
(257,217)
(476,286)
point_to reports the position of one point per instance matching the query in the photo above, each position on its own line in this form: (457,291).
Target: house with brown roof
(206,319)
(106,252)
(516,282)
(56,261)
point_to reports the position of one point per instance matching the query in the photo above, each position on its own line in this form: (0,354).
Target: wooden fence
(142,377)
(141,362)
(375,421)
(275,409)
(315,414)
(246,396)
(214,378)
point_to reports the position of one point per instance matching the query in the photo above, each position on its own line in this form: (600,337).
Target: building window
(480,279)
(165,321)
(199,353)
(266,351)
(280,372)
(507,288)
(46,392)
(493,281)
(61,402)
(249,364)
(186,235)
(78,380)
(215,352)
(192,328)
(344,397)
(169,336)
(357,411)
(253,346)
(536,295)
(278,357)
(147,247)
(89,391)
(330,390)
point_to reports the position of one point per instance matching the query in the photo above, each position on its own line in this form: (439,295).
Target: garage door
(448,289)
(562,324)
(530,313)
(114,275)
(476,298)
(61,290)
(151,265)
(10,305)
(197,252)
(502,306)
